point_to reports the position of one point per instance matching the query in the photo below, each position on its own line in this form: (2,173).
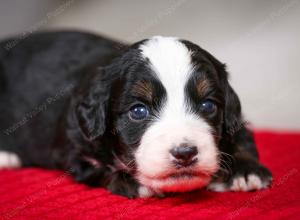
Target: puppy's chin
(176,182)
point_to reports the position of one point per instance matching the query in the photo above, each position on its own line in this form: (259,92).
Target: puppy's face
(168,114)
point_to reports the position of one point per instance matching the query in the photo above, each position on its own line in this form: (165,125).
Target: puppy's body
(38,76)
(155,117)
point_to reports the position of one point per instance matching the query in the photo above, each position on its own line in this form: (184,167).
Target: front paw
(246,176)
(123,184)
(146,192)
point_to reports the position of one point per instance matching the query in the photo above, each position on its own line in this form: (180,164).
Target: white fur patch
(254,183)
(218,187)
(176,124)
(240,184)
(145,192)
(9,160)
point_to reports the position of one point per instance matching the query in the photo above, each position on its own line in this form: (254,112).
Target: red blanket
(45,194)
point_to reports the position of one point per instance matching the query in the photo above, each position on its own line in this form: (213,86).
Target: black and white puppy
(155,117)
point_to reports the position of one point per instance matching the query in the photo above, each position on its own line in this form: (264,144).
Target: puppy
(143,120)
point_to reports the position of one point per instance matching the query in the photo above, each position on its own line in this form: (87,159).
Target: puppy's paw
(247,178)
(9,160)
(123,184)
(146,192)
(241,183)
(249,183)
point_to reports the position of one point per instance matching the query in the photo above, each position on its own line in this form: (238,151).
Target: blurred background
(259,40)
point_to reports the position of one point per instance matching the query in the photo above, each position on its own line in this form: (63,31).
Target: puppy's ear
(232,111)
(92,107)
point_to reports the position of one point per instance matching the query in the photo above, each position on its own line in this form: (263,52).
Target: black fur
(64,100)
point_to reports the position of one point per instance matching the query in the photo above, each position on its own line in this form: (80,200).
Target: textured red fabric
(45,194)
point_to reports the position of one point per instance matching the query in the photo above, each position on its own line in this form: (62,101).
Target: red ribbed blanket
(44,194)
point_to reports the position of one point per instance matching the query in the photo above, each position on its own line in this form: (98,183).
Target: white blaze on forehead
(170,59)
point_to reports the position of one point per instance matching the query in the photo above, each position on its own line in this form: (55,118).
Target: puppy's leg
(93,173)
(241,171)
(123,184)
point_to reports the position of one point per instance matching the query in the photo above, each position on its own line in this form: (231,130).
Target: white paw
(217,187)
(146,192)
(9,160)
(240,183)
(253,182)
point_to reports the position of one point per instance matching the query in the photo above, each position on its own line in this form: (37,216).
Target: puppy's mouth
(181,181)
(180,174)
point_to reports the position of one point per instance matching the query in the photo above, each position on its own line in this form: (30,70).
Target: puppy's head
(168,104)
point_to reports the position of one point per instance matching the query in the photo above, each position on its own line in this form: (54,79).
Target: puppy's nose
(184,154)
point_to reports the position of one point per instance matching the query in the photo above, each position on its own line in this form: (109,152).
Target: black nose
(184,155)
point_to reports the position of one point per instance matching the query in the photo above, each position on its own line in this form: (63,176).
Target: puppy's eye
(138,112)
(208,107)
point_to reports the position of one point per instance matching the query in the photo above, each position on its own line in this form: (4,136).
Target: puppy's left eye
(138,112)
(208,107)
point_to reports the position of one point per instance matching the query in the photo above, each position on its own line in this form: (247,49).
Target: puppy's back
(37,75)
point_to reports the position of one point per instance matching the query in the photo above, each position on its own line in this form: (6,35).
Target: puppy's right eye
(138,112)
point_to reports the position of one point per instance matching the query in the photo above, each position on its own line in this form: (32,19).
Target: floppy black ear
(232,111)
(92,107)
(232,107)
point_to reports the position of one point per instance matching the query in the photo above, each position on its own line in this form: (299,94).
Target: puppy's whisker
(120,164)
(130,163)
(226,155)
(225,167)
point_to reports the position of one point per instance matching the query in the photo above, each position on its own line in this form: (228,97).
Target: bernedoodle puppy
(144,120)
